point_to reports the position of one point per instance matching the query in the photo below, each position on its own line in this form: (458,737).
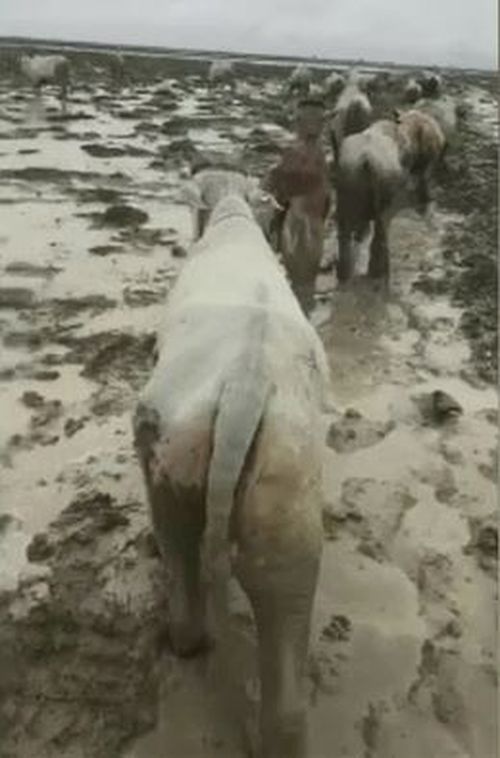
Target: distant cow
(431,83)
(229,436)
(221,72)
(300,80)
(445,110)
(412,91)
(352,114)
(424,144)
(117,69)
(375,167)
(46,69)
(333,85)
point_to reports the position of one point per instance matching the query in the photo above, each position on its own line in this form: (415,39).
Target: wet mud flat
(92,237)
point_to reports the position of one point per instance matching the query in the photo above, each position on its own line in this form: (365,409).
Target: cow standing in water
(300,184)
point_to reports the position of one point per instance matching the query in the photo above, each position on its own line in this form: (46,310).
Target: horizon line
(312,60)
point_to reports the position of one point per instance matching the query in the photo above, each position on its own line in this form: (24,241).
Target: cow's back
(231,281)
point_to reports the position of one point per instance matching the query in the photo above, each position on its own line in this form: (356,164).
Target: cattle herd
(228,429)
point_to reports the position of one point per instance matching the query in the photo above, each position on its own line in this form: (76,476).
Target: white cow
(353,112)
(229,437)
(431,83)
(222,72)
(412,91)
(46,69)
(300,79)
(333,85)
(117,69)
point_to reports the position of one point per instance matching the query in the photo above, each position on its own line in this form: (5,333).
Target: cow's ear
(190,194)
(257,195)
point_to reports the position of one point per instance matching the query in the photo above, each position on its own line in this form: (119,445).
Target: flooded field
(93,234)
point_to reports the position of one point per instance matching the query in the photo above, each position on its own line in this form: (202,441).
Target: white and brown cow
(222,72)
(352,114)
(375,169)
(229,437)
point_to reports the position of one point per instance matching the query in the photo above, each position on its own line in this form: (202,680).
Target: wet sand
(403,652)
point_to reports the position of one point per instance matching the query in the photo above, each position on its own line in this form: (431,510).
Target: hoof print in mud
(48,411)
(484,544)
(32,399)
(178,251)
(445,406)
(338,630)
(438,407)
(354,432)
(73,425)
(40,548)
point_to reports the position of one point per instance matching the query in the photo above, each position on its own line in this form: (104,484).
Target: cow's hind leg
(178,521)
(277,567)
(282,604)
(345,260)
(378,266)
(178,531)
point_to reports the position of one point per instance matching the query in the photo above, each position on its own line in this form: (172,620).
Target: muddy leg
(178,529)
(276,230)
(422,194)
(282,614)
(202,219)
(443,166)
(378,266)
(345,263)
(178,520)
(304,292)
(335,149)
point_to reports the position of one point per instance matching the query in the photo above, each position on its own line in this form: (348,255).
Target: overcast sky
(454,32)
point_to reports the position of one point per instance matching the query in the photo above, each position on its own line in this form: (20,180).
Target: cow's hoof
(343,275)
(186,642)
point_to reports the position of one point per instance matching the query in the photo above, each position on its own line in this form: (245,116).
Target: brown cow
(300,184)
(426,145)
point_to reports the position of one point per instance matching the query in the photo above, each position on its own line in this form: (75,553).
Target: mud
(402,658)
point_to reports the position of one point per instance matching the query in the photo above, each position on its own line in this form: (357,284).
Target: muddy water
(402,654)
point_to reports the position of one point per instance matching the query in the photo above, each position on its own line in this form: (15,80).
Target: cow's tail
(240,411)
(380,191)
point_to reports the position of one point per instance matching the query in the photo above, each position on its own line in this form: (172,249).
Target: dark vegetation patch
(471,189)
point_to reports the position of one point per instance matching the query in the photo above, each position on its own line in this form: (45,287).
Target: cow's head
(206,189)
